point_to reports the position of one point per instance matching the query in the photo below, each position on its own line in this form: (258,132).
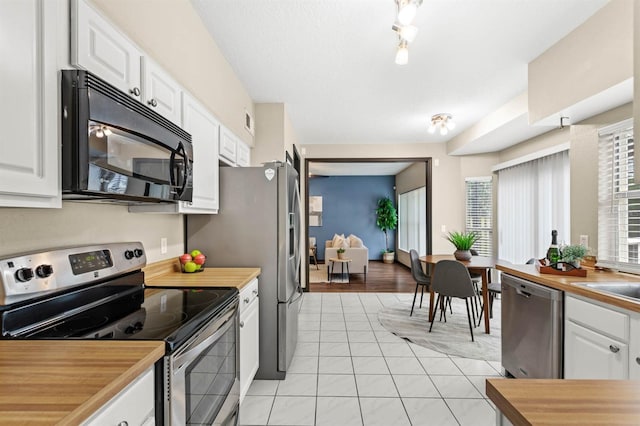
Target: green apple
(190,267)
(194,253)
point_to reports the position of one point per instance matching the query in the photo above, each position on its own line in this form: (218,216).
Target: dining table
(478,264)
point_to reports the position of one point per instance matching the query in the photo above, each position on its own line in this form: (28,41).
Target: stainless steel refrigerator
(258,224)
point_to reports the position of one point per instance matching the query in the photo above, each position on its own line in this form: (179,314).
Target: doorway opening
(341,197)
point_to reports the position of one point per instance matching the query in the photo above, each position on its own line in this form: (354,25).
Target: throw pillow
(338,241)
(355,242)
(346,243)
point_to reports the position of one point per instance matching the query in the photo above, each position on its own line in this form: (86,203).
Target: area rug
(452,337)
(320,275)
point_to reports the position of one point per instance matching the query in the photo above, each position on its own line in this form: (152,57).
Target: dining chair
(422,280)
(451,279)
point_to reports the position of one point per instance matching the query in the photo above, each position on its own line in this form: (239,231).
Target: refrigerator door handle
(296,214)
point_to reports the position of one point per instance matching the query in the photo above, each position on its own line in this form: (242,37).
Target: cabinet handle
(246,300)
(255,292)
(153,103)
(135,92)
(123,423)
(241,324)
(638,360)
(614,349)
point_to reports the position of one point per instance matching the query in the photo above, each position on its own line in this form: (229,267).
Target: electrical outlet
(163,245)
(436,162)
(443,228)
(584,240)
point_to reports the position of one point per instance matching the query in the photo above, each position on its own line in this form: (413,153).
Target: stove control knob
(24,274)
(128,254)
(43,271)
(137,252)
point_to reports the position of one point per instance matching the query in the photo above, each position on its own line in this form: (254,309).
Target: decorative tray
(568,270)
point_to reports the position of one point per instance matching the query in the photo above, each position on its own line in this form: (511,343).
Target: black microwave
(116,149)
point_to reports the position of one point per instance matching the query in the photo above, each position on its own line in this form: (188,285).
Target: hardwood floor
(381,278)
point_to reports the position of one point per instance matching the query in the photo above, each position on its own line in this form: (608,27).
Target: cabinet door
(205,132)
(228,145)
(634,348)
(134,405)
(161,92)
(249,346)
(591,355)
(243,153)
(29,112)
(99,47)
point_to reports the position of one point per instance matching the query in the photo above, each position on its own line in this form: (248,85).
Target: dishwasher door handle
(523,293)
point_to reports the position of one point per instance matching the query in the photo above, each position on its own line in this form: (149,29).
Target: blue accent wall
(348,207)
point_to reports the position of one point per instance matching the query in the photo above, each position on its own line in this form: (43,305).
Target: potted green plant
(573,254)
(386,220)
(340,252)
(463,241)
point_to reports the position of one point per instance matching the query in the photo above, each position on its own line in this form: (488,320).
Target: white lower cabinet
(601,341)
(249,335)
(133,406)
(29,158)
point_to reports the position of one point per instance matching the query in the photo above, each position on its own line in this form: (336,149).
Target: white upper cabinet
(205,132)
(161,92)
(233,151)
(99,47)
(243,155)
(29,163)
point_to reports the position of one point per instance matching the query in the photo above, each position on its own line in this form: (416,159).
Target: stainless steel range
(98,292)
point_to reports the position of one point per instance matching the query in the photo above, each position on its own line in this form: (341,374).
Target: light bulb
(431,129)
(99,133)
(451,124)
(402,55)
(408,33)
(107,131)
(407,12)
(443,129)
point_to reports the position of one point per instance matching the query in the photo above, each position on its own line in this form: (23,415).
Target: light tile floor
(348,370)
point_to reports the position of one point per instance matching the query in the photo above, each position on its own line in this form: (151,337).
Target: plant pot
(341,255)
(388,257)
(462,254)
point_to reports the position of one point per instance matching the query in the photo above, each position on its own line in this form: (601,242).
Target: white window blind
(479,201)
(618,200)
(533,199)
(412,220)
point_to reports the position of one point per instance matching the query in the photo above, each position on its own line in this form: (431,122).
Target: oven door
(203,375)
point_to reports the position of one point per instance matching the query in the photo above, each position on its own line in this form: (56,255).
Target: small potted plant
(573,254)
(386,220)
(463,241)
(340,252)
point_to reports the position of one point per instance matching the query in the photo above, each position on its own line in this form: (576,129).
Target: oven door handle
(194,351)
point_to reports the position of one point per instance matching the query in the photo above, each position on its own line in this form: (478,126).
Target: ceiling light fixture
(402,55)
(443,122)
(407,10)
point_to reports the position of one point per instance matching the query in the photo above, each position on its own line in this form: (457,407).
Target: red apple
(185,258)
(200,259)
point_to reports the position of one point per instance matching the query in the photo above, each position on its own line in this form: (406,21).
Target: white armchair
(359,257)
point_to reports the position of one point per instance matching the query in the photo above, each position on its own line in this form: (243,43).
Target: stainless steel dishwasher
(532,329)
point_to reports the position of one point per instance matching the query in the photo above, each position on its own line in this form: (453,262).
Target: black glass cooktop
(120,313)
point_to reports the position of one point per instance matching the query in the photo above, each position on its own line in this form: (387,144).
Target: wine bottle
(553,253)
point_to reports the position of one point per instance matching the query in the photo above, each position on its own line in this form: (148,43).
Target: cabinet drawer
(248,295)
(599,318)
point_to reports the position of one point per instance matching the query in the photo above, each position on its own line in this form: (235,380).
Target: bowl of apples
(192,262)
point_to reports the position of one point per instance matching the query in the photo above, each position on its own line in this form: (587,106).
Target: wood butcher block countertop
(566,402)
(568,283)
(66,381)
(210,277)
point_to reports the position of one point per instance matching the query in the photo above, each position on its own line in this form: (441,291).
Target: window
(412,221)
(479,213)
(533,200)
(618,200)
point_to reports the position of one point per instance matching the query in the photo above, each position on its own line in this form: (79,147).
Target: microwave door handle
(185,172)
(172,162)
